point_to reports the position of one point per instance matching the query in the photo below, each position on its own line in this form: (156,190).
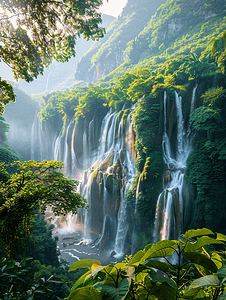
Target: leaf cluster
(16,280)
(187,269)
(33,186)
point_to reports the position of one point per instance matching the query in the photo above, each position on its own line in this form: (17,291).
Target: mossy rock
(118,169)
(124,118)
(122,156)
(118,185)
(94,176)
(107,163)
(101,188)
(119,118)
(118,195)
(109,183)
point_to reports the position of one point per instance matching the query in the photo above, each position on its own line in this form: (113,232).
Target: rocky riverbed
(72,247)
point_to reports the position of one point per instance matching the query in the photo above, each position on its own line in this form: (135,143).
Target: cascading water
(104,164)
(167,223)
(112,143)
(123,222)
(36,139)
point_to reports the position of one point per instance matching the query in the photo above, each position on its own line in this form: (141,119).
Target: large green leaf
(160,278)
(144,290)
(85,263)
(162,266)
(221,237)
(117,293)
(97,268)
(200,259)
(164,292)
(194,233)
(136,258)
(141,276)
(80,281)
(222,297)
(85,293)
(217,259)
(221,273)
(110,270)
(201,242)
(193,294)
(161,249)
(210,280)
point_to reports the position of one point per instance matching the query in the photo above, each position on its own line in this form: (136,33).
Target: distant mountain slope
(107,54)
(178,28)
(60,75)
(149,33)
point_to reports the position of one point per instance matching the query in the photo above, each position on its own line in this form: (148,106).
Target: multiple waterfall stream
(170,206)
(103,161)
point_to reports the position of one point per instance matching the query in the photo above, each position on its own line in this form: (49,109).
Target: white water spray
(166,223)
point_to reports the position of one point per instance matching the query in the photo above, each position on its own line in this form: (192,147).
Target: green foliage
(7,94)
(146,120)
(187,269)
(32,186)
(41,244)
(92,101)
(59,288)
(208,117)
(218,50)
(36,38)
(180,45)
(206,164)
(16,280)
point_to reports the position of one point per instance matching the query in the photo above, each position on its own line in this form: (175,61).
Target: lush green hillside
(108,54)
(182,44)
(180,47)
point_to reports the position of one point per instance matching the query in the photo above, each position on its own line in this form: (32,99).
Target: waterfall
(167,224)
(86,212)
(73,156)
(103,160)
(123,221)
(36,139)
(114,157)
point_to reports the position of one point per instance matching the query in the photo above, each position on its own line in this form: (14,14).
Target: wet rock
(68,238)
(112,253)
(167,177)
(108,235)
(109,183)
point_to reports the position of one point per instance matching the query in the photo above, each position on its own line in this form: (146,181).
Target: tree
(32,186)
(34,32)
